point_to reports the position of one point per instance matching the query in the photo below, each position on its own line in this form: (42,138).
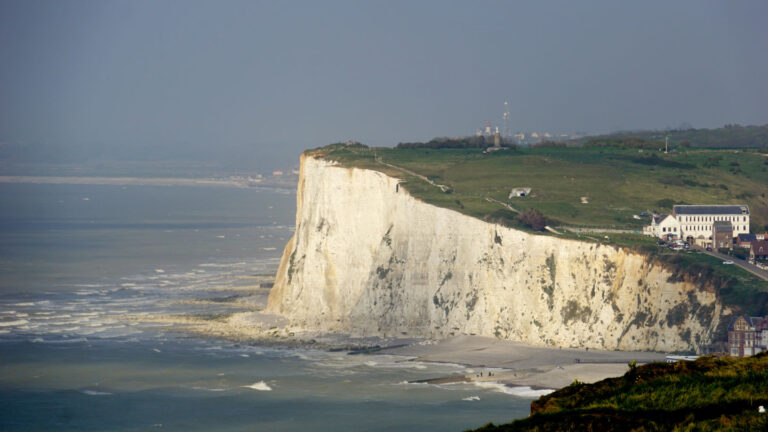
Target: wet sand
(519,364)
(491,360)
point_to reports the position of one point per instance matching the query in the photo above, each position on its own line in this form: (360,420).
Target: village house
(722,235)
(745,240)
(664,227)
(747,336)
(759,250)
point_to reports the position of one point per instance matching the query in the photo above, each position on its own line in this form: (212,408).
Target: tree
(533,219)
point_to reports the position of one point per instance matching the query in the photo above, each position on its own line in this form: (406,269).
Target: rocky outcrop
(369,259)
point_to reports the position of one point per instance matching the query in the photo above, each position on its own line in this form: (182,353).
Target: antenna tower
(505,117)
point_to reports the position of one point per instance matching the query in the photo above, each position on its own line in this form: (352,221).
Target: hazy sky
(210,77)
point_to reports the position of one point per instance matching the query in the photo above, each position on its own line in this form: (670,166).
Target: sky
(258,81)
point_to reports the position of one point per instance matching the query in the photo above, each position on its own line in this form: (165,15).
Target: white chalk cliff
(369,259)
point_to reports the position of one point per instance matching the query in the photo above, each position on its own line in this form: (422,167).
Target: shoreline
(489,361)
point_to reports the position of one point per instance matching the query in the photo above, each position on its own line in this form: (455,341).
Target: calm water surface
(76,260)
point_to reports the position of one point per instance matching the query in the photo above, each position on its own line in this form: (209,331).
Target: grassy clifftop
(710,394)
(588,187)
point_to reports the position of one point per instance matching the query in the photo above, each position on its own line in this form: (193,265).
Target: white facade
(664,227)
(696,221)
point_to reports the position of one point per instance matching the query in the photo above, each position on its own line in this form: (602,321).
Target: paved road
(741,263)
(601,230)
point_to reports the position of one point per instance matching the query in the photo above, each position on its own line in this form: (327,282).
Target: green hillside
(729,136)
(710,394)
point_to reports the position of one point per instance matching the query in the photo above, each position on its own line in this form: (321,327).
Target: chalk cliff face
(369,259)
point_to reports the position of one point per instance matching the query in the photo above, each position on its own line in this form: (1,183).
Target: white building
(696,220)
(664,227)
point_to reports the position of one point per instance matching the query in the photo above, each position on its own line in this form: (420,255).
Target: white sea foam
(268,248)
(13,323)
(159,271)
(95,393)
(471,398)
(209,389)
(260,386)
(520,391)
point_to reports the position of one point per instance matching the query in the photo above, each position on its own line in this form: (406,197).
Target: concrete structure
(722,235)
(747,336)
(519,192)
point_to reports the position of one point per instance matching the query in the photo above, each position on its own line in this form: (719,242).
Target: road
(763,274)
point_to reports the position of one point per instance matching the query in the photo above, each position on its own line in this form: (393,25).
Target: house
(519,192)
(763,236)
(745,240)
(747,336)
(664,227)
(696,221)
(722,235)
(759,250)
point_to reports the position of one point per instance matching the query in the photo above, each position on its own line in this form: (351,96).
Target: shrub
(533,219)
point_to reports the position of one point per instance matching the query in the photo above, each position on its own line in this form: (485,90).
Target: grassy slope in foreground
(618,184)
(709,394)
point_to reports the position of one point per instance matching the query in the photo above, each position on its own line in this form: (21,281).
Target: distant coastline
(144,181)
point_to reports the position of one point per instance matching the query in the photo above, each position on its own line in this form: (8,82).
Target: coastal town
(724,228)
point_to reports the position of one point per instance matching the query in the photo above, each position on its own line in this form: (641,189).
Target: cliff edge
(369,259)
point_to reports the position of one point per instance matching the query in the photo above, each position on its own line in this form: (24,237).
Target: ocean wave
(209,389)
(260,386)
(58,341)
(471,398)
(94,393)
(13,323)
(519,391)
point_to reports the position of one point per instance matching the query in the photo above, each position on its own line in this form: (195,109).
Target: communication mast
(505,129)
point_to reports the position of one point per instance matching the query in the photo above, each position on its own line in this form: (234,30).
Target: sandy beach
(518,364)
(491,360)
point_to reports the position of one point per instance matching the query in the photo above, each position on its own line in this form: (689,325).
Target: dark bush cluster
(533,219)
(455,143)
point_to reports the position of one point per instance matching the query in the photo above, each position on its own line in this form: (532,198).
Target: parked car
(727,262)
(709,249)
(660,243)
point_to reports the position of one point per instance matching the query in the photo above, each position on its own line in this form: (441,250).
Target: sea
(79,264)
